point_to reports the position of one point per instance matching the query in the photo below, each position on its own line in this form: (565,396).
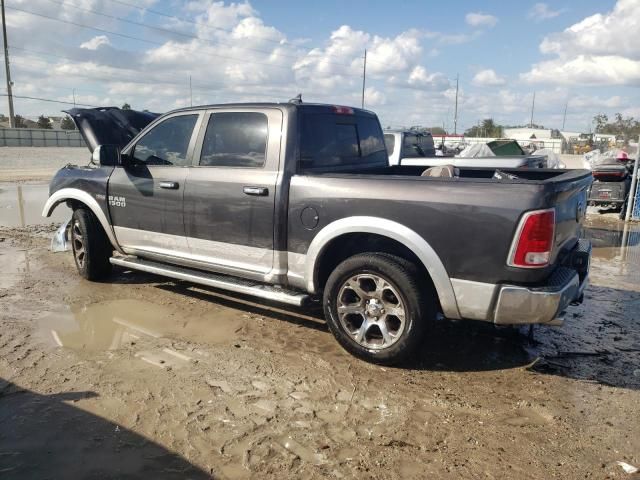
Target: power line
(152,42)
(50,100)
(137,80)
(199,24)
(174,32)
(180,82)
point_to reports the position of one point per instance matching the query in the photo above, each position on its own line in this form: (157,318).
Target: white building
(527,133)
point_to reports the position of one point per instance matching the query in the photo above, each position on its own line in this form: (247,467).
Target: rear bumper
(546,304)
(521,305)
(507,304)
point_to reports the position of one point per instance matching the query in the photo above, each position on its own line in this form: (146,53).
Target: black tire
(415,295)
(90,245)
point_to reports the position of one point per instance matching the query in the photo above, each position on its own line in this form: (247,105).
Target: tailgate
(570,201)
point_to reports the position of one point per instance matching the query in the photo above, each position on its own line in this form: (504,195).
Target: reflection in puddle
(616,247)
(109,325)
(21,205)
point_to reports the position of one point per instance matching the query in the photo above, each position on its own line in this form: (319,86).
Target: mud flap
(60,240)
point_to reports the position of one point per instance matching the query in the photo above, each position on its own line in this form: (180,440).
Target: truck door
(145,195)
(231,190)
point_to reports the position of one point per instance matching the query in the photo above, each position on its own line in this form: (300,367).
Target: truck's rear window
(332,140)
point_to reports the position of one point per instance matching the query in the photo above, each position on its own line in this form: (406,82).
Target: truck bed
(477,174)
(470,220)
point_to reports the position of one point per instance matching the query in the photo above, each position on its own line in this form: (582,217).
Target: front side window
(166,143)
(235,139)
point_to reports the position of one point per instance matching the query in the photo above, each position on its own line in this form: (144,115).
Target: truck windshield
(414,145)
(330,141)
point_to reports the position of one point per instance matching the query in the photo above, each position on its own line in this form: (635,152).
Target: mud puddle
(616,249)
(21,205)
(114,324)
(14,265)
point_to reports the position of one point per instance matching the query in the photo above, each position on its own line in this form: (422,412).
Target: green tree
(599,122)
(67,123)
(20,123)
(44,122)
(626,127)
(487,128)
(126,106)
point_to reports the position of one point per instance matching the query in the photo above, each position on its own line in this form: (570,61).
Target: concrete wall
(37,137)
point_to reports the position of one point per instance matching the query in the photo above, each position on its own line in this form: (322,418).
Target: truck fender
(395,231)
(81,196)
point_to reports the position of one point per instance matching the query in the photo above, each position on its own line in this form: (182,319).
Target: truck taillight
(340,110)
(533,243)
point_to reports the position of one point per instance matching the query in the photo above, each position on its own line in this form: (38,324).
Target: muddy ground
(142,377)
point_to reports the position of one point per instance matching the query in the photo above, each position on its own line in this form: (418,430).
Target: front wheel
(90,245)
(378,308)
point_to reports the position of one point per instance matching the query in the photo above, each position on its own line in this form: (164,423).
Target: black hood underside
(109,125)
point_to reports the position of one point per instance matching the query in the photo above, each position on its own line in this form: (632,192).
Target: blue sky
(581,54)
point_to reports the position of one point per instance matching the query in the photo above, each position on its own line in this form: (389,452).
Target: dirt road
(143,377)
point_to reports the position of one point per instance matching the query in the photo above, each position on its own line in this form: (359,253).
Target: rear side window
(417,145)
(332,140)
(235,139)
(166,143)
(390,142)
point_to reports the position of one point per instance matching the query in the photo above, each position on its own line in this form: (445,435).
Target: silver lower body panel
(225,282)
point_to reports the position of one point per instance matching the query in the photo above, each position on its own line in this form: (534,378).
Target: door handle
(257,191)
(169,185)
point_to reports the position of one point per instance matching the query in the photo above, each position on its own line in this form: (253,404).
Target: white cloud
(420,78)
(488,78)
(479,19)
(373,97)
(542,11)
(595,51)
(96,42)
(586,70)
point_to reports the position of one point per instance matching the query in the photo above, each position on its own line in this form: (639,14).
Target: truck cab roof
(115,126)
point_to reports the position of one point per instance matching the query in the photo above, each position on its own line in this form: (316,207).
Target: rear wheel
(90,245)
(378,308)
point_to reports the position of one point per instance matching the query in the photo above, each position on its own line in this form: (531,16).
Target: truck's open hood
(109,125)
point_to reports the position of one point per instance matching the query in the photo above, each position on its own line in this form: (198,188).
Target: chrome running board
(216,280)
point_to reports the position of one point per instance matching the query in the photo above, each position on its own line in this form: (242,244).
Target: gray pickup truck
(294,202)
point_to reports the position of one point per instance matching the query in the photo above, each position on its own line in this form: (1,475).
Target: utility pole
(533,104)
(364,75)
(190,92)
(12,117)
(455,113)
(564,117)
(74,98)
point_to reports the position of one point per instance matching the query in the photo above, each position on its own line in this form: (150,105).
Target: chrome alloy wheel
(371,311)
(77,241)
